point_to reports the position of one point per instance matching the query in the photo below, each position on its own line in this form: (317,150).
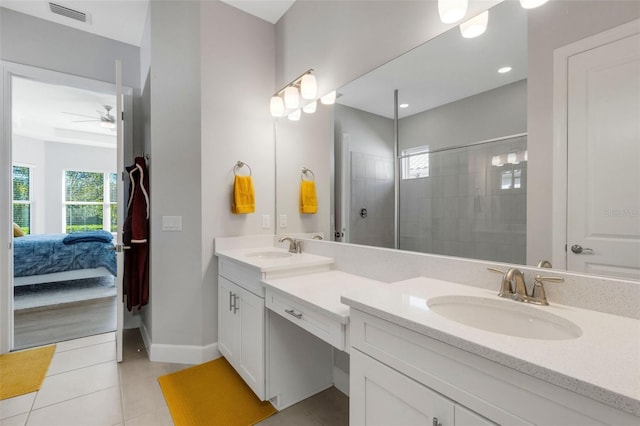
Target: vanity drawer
(245,277)
(321,326)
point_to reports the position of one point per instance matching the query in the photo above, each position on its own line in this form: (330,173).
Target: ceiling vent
(68,12)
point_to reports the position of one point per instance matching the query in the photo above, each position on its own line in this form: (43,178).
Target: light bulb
(291,97)
(276,106)
(496,161)
(310,108)
(329,98)
(475,26)
(108,124)
(452,10)
(504,70)
(511,158)
(295,115)
(530,4)
(308,86)
(526,156)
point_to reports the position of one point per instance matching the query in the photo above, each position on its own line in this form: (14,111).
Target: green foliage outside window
(21,197)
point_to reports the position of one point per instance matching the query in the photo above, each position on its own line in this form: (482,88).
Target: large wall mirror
(437,152)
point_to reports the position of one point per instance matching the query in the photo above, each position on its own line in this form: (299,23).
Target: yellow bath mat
(212,394)
(24,371)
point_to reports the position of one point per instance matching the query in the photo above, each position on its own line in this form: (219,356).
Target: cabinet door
(383,396)
(465,417)
(228,321)
(250,314)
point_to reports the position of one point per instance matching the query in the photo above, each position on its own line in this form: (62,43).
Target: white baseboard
(179,354)
(341,380)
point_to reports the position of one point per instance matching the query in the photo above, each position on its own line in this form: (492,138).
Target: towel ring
(305,171)
(240,165)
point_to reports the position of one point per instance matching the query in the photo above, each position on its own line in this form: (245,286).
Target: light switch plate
(266,221)
(172,223)
(283,221)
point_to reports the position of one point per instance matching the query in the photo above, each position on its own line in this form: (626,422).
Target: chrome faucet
(514,287)
(295,246)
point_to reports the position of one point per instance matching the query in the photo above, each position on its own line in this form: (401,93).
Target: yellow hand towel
(243,196)
(308,199)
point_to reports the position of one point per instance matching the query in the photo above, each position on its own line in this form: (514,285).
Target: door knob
(578,249)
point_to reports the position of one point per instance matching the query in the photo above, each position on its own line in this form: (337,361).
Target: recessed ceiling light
(404,105)
(504,70)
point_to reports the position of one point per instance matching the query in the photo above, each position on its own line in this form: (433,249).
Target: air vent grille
(68,12)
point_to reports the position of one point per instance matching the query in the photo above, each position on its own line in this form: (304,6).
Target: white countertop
(267,264)
(602,364)
(321,291)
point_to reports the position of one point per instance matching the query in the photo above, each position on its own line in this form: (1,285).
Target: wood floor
(65,321)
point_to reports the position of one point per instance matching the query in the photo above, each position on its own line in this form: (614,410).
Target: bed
(45,258)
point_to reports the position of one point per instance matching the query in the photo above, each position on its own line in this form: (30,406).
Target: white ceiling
(446,68)
(55,113)
(269,10)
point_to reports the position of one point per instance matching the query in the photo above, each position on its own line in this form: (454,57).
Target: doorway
(64,183)
(60,171)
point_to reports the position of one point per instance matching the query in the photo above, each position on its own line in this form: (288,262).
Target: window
(511,179)
(22,190)
(415,162)
(90,201)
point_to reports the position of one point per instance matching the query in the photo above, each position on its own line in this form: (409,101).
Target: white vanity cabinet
(400,376)
(241,332)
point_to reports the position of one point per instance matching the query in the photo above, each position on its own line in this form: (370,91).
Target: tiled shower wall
(464,208)
(371,189)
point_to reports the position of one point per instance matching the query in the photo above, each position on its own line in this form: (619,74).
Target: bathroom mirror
(467,142)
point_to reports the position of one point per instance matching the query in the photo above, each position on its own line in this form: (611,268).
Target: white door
(121,209)
(603,177)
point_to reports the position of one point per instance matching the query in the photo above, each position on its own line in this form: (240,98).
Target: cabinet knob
(293,313)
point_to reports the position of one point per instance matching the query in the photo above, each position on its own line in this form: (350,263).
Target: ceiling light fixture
(452,10)
(504,70)
(475,26)
(404,105)
(530,4)
(288,98)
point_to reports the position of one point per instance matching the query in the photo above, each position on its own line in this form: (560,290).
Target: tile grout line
(71,399)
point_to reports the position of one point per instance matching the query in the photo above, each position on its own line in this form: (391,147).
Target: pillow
(17,231)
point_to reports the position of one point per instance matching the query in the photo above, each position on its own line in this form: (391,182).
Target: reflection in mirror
(461,146)
(506,166)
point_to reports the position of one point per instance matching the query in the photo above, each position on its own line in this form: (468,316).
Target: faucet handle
(506,290)
(538,294)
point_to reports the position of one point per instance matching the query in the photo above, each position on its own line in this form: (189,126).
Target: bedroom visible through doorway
(64,204)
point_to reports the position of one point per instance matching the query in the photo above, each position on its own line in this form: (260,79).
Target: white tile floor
(85,386)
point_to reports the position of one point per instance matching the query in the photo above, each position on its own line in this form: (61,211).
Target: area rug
(212,394)
(24,371)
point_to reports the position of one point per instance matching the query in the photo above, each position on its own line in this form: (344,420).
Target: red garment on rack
(135,234)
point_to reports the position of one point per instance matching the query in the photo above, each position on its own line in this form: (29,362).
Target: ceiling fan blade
(80,115)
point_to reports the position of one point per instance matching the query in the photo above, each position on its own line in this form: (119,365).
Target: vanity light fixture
(530,4)
(291,97)
(276,106)
(288,98)
(295,115)
(329,98)
(475,26)
(452,10)
(310,108)
(504,70)
(308,86)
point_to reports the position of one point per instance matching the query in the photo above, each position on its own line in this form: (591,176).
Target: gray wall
(556,24)
(39,43)
(488,115)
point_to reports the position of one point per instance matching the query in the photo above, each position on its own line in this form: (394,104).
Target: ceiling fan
(106,119)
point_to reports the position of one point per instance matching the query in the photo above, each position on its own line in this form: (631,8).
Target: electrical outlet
(283,221)
(266,221)
(172,223)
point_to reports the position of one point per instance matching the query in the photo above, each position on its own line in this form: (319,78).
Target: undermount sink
(269,254)
(504,317)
